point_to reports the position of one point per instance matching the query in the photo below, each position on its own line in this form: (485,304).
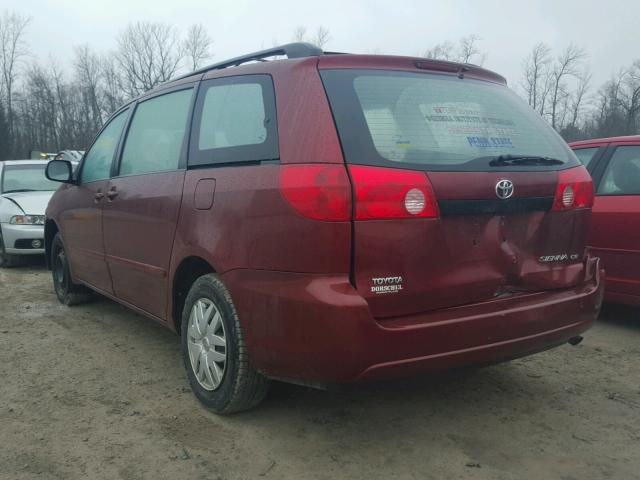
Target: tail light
(574,190)
(382,193)
(319,191)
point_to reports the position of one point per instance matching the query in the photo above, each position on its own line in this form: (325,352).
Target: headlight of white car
(27,220)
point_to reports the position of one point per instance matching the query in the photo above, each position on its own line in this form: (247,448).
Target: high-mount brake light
(386,193)
(574,190)
(317,191)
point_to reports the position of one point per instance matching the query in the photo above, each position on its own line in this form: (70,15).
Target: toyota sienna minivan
(326,218)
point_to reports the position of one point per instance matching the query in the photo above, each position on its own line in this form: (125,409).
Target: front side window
(585,155)
(622,176)
(26,178)
(97,161)
(439,122)
(235,121)
(155,138)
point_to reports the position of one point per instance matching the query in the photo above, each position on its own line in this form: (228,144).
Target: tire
(68,293)
(224,386)
(6,260)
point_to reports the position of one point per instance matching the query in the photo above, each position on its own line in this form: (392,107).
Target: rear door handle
(111,194)
(98,196)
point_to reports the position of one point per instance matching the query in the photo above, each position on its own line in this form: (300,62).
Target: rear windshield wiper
(20,190)
(504,160)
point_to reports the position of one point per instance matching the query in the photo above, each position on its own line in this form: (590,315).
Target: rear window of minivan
(435,121)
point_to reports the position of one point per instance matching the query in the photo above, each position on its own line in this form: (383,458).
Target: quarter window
(97,162)
(622,176)
(585,155)
(235,121)
(155,138)
(232,115)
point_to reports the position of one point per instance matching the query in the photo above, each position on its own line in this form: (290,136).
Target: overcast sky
(608,30)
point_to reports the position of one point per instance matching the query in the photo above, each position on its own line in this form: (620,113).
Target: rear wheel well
(189,270)
(50,230)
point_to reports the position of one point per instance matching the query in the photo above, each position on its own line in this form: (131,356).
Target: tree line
(45,108)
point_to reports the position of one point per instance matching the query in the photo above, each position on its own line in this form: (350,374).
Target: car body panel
(31,203)
(17,237)
(19,203)
(78,215)
(336,339)
(249,209)
(139,226)
(460,259)
(615,230)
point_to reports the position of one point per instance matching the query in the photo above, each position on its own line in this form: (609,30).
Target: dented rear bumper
(317,328)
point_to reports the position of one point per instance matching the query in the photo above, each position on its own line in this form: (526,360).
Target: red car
(331,218)
(614,164)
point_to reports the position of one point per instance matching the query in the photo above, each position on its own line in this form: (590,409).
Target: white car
(24,195)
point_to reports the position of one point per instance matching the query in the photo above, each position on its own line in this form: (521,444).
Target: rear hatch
(461,193)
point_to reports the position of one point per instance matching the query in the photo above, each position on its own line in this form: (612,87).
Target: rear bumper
(622,298)
(319,329)
(15,233)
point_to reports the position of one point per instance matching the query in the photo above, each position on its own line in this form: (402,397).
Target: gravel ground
(95,392)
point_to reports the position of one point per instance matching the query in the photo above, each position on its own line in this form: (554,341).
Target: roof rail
(290,50)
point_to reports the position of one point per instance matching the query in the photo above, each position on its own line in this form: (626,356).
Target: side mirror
(60,171)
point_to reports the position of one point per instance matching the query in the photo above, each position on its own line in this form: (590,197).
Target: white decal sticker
(383,285)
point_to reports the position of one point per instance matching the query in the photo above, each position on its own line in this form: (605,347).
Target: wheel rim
(59,270)
(207,344)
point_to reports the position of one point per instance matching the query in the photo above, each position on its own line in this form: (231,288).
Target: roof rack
(290,50)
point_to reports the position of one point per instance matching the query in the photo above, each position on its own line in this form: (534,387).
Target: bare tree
(469,52)
(610,115)
(578,97)
(39,109)
(629,97)
(441,51)
(300,33)
(536,69)
(113,95)
(197,46)
(466,51)
(5,146)
(567,64)
(12,50)
(88,71)
(148,54)
(321,37)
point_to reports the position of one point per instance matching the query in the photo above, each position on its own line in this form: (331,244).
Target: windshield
(436,121)
(26,178)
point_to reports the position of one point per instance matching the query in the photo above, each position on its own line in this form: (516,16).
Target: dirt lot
(98,392)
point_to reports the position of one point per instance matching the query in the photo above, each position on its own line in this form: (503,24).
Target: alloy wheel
(207,343)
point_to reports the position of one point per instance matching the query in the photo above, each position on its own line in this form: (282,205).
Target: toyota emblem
(504,189)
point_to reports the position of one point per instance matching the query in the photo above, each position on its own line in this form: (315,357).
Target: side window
(156,134)
(622,176)
(585,155)
(235,121)
(97,161)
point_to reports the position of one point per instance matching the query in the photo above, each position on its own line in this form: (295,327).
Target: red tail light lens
(320,191)
(388,193)
(574,190)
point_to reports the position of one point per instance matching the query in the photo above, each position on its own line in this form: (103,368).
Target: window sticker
(490,142)
(468,124)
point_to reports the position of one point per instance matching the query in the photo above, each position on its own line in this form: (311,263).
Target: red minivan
(329,218)
(614,164)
